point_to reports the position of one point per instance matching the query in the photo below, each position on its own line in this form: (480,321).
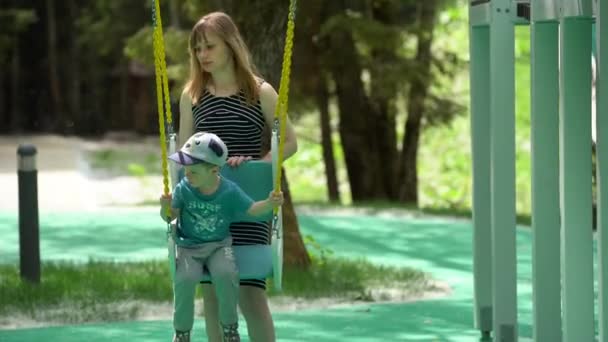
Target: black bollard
(29,236)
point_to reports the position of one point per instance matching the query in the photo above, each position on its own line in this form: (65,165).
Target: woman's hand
(237,161)
(267,157)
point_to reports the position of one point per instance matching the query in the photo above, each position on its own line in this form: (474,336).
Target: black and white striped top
(241,126)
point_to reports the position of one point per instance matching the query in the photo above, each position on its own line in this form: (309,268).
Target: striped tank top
(241,126)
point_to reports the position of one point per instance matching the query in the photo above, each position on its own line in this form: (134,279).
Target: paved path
(65,180)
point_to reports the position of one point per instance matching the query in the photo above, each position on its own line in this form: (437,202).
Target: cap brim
(184,159)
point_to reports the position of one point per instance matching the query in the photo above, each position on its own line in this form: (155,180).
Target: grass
(115,161)
(76,293)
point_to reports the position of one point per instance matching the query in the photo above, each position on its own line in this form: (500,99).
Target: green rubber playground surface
(441,247)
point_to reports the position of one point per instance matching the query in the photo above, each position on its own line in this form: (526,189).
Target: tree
(408,189)
(15,22)
(53,68)
(375,37)
(311,81)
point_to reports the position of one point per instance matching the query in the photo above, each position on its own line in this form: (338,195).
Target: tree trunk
(4,116)
(174,13)
(312,80)
(75,76)
(264,33)
(382,96)
(333,191)
(16,119)
(53,68)
(357,115)
(408,192)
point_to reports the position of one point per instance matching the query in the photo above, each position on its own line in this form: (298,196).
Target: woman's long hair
(221,24)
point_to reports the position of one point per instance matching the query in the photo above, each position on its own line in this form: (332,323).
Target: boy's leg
(188,273)
(225,277)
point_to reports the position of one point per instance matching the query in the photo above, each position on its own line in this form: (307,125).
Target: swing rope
(280,115)
(162,88)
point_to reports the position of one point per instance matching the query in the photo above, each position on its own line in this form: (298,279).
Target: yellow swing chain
(162,88)
(280,114)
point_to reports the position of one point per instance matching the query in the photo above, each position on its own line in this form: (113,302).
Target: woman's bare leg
(254,307)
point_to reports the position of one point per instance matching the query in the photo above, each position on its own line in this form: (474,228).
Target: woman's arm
(186,128)
(268,101)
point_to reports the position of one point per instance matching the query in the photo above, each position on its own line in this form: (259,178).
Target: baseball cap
(202,147)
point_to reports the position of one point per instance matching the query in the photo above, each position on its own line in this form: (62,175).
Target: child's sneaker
(181,336)
(231,333)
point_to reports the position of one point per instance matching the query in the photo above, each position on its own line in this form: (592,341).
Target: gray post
(29,237)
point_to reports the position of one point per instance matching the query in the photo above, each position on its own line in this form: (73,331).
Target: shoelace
(231,333)
(182,337)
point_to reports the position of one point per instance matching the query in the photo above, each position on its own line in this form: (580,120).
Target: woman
(225,96)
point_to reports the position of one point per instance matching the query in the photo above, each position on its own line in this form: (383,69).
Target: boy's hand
(165,200)
(276,198)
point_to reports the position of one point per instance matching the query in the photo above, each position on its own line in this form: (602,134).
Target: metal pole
(546,289)
(502,132)
(29,239)
(480,144)
(601,96)
(575,167)
(479,38)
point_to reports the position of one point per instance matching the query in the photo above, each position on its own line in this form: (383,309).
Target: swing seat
(253,261)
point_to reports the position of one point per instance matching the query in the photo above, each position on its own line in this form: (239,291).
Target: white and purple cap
(202,147)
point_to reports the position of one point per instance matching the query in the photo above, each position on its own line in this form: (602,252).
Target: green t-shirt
(206,218)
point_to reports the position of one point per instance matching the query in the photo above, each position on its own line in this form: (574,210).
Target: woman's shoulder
(266,90)
(186,98)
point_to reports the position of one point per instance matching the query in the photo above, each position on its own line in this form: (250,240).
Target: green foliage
(110,161)
(14,22)
(17,20)
(136,170)
(139,47)
(444,160)
(103,25)
(318,254)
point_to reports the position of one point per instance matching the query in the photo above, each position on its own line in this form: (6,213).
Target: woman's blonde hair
(221,24)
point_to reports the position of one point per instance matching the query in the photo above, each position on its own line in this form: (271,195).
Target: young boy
(205,204)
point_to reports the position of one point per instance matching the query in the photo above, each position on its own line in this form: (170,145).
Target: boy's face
(201,175)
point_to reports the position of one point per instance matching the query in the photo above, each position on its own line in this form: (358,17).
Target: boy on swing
(205,204)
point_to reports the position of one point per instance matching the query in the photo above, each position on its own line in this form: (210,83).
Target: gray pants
(189,263)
